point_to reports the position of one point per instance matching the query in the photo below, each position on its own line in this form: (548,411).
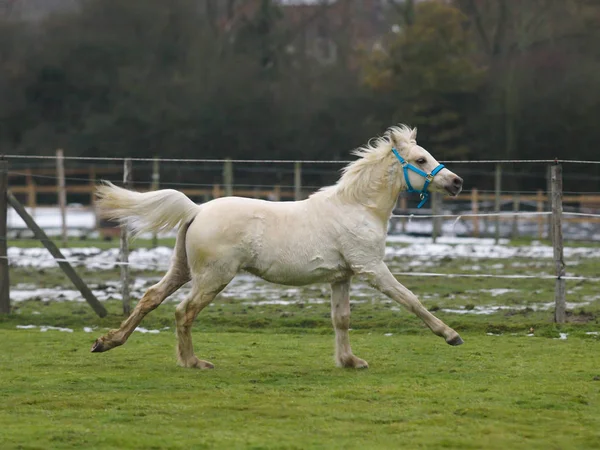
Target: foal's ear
(413,134)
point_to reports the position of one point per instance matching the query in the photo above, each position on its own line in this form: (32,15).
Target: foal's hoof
(455,341)
(98,346)
(353,362)
(196,363)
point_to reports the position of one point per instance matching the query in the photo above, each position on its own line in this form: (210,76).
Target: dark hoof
(98,347)
(455,341)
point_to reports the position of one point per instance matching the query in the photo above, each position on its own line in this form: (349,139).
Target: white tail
(149,211)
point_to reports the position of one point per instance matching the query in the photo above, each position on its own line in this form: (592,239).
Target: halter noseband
(428,177)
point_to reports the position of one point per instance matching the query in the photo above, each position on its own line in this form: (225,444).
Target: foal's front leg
(340,316)
(380,277)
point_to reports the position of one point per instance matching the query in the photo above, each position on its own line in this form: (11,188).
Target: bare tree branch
(479,25)
(500,28)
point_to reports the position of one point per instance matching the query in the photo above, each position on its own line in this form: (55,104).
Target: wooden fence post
(548,206)
(31,192)
(276,193)
(228,177)
(4,278)
(435,210)
(515,221)
(557,243)
(497,193)
(62,194)
(475,211)
(540,218)
(124,255)
(403,209)
(92,181)
(297,180)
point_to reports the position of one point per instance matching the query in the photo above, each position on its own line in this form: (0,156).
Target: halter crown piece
(423,193)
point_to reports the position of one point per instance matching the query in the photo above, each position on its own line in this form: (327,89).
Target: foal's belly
(317,271)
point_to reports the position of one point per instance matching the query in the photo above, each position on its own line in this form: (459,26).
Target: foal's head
(403,139)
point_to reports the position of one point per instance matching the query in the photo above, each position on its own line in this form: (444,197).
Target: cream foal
(337,233)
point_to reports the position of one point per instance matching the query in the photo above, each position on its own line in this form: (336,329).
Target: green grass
(273,391)
(275,385)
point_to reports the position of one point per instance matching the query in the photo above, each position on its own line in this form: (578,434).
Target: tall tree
(428,76)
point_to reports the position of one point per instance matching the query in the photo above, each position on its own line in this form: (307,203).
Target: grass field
(281,391)
(275,385)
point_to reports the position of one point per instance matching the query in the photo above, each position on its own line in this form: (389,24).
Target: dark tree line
(192,78)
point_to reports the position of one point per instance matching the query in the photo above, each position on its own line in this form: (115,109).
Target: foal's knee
(180,313)
(151,300)
(341,321)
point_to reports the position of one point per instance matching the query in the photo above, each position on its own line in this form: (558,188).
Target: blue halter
(428,177)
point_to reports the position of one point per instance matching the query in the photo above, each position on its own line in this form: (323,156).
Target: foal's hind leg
(176,277)
(206,286)
(340,316)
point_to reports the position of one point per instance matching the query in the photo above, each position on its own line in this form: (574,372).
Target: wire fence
(289,161)
(484,204)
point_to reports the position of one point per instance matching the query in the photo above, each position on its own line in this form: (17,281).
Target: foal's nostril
(457,181)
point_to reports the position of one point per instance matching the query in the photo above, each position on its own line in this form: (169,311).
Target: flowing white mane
(373,167)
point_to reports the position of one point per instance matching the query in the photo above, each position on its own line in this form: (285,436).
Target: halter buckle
(429,177)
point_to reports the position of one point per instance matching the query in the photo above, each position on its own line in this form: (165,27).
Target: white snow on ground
(414,253)
(494,292)
(491,309)
(44,328)
(474,248)
(403,250)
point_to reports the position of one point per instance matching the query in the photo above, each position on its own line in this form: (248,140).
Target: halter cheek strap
(424,194)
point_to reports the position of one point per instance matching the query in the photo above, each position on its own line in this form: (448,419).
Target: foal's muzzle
(454,186)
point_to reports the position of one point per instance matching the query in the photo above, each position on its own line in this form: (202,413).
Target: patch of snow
(491,309)
(495,292)
(145,330)
(418,252)
(45,328)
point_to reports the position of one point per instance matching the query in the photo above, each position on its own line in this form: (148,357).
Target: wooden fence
(492,202)
(24,185)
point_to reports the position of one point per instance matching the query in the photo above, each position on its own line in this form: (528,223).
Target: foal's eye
(421,161)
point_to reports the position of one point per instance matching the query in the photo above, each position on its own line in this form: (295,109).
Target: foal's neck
(382,198)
